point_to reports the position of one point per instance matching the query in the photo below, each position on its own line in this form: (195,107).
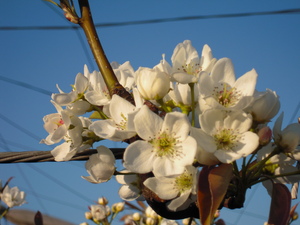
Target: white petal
(81,83)
(119,108)
(223,72)
(177,203)
(246,83)
(129,192)
(238,120)
(147,123)
(176,123)
(211,120)
(163,166)
(63,152)
(138,157)
(163,187)
(277,128)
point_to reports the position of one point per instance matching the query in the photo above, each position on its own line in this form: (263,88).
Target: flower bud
(102,201)
(266,106)
(265,135)
(295,216)
(152,84)
(84,223)
(136,216)
(120,206)
(88,215)
(150,221)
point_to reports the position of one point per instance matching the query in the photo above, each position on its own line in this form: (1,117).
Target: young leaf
(280,205)
(212,186)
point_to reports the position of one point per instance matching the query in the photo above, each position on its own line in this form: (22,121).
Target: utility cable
(152,21)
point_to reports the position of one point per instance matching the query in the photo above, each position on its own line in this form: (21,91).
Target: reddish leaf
(212,186)
(38,218)
(280,205)
(219,179)
(204,196)
(220,222)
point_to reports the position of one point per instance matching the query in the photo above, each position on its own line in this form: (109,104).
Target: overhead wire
(152,21)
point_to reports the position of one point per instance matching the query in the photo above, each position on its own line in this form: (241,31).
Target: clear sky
(44,58)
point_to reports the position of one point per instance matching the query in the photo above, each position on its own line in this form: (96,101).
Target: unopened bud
(84,223)
(136,216)
(88,215)
(265,135)
(217,214)
(150,221)
(102,201)
(295,216)
(120,206)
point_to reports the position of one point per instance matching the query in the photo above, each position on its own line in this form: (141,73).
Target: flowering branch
(111,81)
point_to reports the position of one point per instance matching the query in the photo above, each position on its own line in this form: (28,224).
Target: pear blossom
(181,94)
(66,150)
(227,135)
(152,84)
(100,166)
(278,164)
(221,90)
(97,93)
(119,127)
(99,212)
(186,63)
(266,106)
(287,139)
(165,148)
(125,74)
(13,196)
(202,156)
(80,86)
(179,189)
(130,189)
(57,125)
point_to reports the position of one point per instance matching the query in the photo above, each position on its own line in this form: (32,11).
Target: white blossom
(227,135)
(100,166)
(13,196)
(119,127)
(179,189)
(166,147)
(221,90)
(186,63)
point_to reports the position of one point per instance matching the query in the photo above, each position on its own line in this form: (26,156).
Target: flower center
(184,182)
(227,139)
(60,122)
(164,145)
(123,123)
(191,68)
(228,96)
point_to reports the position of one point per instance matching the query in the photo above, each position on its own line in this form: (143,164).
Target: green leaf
(96,115)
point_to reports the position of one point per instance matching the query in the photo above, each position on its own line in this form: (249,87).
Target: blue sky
(44,58)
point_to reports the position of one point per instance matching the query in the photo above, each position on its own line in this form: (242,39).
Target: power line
(26,85)
(151,21)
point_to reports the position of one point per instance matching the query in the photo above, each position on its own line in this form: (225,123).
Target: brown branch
(46,156)
(88,26)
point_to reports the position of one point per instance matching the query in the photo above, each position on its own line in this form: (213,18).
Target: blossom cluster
(201,114)
(129,214)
